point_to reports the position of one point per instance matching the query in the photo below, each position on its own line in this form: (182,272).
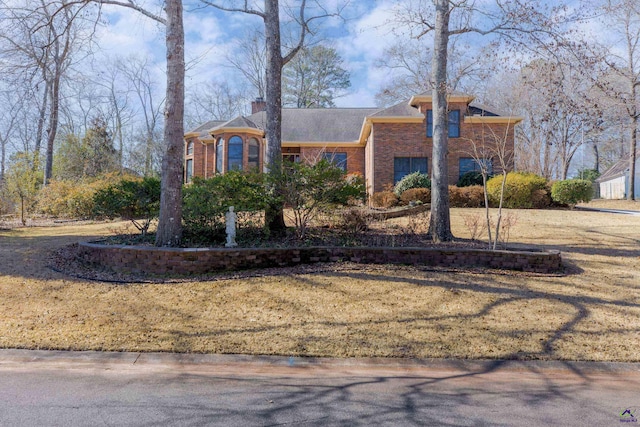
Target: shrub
(466,197)
(519,189)
(470,178)
(354,220)
(384,199)
(137,200)
(572,191)
(205,201)
(74,199)
(413,180)
(422,195)
(541,199)
(308,189)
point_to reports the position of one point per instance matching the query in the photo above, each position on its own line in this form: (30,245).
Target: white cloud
(364,42)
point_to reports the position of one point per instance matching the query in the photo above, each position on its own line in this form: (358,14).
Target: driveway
(614,211)
(133,389)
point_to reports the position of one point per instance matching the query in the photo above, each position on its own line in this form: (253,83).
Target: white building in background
(614,182)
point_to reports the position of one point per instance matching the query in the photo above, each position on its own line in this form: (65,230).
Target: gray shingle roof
(617,170)
(319,124)
(238,122)
(203,129)
(401,109)
(329,124)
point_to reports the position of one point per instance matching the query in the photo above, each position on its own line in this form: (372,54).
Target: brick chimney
(258,105)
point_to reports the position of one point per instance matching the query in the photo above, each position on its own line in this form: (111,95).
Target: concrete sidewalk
(247,363)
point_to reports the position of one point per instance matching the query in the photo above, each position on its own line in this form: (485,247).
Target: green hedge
(521,190)
(572,191)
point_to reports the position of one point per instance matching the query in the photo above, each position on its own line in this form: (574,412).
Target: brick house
(382,145)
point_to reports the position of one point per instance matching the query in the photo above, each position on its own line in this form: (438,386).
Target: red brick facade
(383,138)
(400,139)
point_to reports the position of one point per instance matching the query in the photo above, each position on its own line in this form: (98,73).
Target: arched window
(189,148)
(234,153)
(254,154)
(219,149)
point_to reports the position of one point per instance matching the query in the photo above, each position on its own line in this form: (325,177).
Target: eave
(419,99)
(251,131)
(316,144)
(510,120)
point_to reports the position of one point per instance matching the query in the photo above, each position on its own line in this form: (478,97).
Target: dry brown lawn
(342,310)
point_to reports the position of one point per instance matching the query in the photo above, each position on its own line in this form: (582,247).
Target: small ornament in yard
(231,228)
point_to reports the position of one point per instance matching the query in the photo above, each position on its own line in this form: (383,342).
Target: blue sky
(210,36)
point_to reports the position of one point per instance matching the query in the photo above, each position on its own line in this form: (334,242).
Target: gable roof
(319,124)
(616,170)
(401,109)
(202,131)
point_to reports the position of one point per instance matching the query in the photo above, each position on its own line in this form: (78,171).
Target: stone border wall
(178,261)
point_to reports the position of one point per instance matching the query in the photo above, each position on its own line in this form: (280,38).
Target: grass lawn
(345,310)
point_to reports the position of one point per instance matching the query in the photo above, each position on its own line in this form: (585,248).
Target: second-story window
(454,124)
(189,148)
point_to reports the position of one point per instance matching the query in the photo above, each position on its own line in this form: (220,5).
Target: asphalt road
(39,388)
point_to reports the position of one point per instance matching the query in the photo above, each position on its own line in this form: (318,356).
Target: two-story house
(382,145)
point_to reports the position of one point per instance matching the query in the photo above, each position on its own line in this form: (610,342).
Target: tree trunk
(42,112)
(53,124)
(170,221)
(631,194)
(440,226)
(274,216)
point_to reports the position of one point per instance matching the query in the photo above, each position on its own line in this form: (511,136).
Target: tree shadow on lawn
(376,332)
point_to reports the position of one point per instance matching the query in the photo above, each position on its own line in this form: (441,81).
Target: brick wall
(355,156)
(410,140)
(161,261)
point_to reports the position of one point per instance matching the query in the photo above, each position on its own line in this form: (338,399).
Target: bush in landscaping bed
(519,190)
(422,195)
(384,199)
(572,191)
(413,180)
(469,179)
(205,201)
(466,197)
(309,189)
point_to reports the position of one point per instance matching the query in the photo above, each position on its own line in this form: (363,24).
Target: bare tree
(408,64)
(169,231)
(450,18)
(41,41)
(562,113)
(137,71)
(275,61)
(249,58)
(214,101)
(9,116)
(117,105)
(492,148)
(622,79)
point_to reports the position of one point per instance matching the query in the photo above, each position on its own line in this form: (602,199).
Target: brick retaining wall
(160,261)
